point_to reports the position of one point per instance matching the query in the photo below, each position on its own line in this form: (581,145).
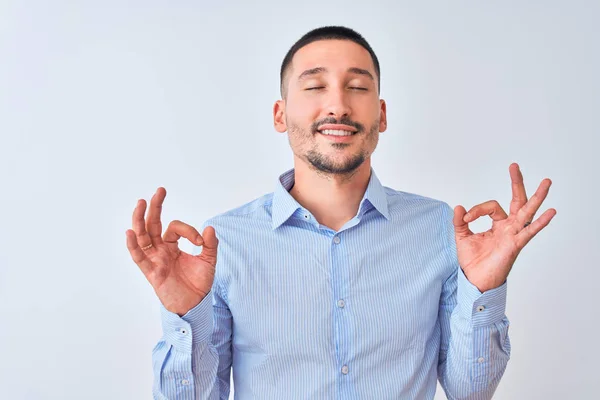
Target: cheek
(305,110)
(367,107)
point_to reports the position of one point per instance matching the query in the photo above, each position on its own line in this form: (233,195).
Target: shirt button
(480,308)
(336,240)
(306,216)
(185,382)
(183,331)
(480,360)
(341,303)
(345,370)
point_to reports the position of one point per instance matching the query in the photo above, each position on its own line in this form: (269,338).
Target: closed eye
(322,87)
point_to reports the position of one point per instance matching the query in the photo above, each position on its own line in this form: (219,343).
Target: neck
(333,199)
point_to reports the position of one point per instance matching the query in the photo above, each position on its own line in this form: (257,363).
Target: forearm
(185,362)
(476,351)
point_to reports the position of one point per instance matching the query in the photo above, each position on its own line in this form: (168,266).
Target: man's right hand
(179,279)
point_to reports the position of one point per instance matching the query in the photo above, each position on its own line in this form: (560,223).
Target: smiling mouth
(336,132)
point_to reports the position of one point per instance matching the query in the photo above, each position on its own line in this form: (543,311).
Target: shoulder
(258,209)
(239,224)
(400,202)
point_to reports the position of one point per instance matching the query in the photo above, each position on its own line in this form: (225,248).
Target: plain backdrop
(102,102)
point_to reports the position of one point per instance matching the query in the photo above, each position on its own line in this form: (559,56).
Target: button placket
(340,277)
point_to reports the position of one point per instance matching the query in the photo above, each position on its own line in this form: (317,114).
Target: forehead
(335,55)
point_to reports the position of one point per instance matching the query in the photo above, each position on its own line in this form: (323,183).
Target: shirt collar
(284,205)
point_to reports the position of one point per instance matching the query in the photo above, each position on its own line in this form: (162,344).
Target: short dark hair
(327,33)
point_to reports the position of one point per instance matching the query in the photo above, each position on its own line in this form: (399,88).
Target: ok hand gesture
(180,280)
(486,258)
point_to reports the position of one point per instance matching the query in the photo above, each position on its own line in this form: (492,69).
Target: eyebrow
(318,70)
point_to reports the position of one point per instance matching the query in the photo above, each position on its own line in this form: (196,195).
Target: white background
(102,102)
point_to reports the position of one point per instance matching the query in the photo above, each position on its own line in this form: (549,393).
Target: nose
(337,104)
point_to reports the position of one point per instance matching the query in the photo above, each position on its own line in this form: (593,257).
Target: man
(334,286)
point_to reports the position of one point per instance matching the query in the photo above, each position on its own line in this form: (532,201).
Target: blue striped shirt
(377,310)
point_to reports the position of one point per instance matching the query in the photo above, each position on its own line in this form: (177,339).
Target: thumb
(461,228)
(209,247)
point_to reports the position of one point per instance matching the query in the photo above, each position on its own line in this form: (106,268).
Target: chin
(333,166)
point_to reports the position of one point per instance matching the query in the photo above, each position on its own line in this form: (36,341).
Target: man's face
(331,91)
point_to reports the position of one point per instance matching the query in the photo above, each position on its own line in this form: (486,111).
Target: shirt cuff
(481,309)
(190,330)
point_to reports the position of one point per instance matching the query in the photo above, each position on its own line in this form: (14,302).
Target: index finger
(519,197)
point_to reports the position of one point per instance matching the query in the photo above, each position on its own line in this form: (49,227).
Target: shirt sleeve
(475,347)
(192,360)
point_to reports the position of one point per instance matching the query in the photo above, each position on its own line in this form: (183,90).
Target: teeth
(335,132)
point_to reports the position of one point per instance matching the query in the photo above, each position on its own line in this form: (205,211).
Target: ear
(279,116)
(382,116)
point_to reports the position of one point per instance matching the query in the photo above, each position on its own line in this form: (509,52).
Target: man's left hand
(486,258)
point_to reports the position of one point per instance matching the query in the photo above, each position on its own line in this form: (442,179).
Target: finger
(519,196)
(137,254)
(177,229)
(209,249)
(153,224)
(491,208)
(139,225)
(461,228)
(531,230)
(527,212)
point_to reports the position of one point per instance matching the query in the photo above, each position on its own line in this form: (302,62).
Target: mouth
(336,132)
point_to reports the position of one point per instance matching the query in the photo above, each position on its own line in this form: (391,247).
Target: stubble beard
(326,165)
